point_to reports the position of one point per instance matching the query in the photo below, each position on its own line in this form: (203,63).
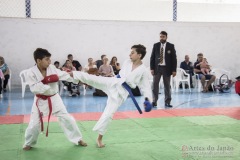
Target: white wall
(20,37)
(208,12)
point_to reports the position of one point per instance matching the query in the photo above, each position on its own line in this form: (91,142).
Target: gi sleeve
(64,76)
(145,85)
(36,87)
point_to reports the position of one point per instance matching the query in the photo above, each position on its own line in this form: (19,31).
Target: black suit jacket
(170,58)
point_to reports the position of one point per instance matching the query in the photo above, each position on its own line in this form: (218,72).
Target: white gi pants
(116,96)
(66,121)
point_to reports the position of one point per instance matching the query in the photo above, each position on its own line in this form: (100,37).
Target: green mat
(198,137)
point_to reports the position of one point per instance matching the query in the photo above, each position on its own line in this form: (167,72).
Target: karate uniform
(112,86)
(67,122)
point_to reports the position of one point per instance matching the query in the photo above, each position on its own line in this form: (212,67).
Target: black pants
(68,84)
(166,81)
(0,85)
(5,82)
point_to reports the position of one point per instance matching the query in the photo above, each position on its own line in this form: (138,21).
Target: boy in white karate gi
(133,72)
(43,81)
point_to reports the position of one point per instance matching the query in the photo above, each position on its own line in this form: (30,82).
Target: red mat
(152,114)
(192,112)
(233,112)
(11,119)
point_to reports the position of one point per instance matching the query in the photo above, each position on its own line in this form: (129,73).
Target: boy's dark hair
(140,49)
(163,33)
(70,55)
(56,62)
(40,53)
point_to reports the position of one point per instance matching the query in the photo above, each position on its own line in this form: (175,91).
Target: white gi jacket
(117,94)
(138,77)
(34,78)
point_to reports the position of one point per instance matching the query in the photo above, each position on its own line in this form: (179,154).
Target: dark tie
(161,55)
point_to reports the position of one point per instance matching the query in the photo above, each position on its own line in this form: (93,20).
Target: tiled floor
(13,104)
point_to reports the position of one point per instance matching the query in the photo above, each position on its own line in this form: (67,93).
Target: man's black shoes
(168,105)
(154,104)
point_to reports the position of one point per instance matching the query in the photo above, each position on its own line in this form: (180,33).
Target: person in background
(1,79)
(57,64)
(90,68)
(68,67)
(89,65)
(115,65)
(6,73)
(163,63)
(75,63)
(106,70)
(201,76)
(188,67)
(205,67)
(100,62)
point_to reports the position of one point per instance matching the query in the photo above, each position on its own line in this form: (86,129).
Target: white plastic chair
(84,89)
(218,73)
(183,77)
(24,83)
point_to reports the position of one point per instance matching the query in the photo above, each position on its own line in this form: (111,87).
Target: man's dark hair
(56,62)
(40,53)
(140,49)
(102,56)
(163,33)
(70,55)
(200,54)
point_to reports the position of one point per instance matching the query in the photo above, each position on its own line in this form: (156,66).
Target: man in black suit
(163,62)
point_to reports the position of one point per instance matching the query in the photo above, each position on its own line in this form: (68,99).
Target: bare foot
(82,143)
(99,141)
(27,148)
(100,144)
(205,90)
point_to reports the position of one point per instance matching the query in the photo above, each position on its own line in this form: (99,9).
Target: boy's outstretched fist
(50,79)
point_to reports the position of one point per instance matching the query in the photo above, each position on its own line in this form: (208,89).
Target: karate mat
(165,138)
(233,112)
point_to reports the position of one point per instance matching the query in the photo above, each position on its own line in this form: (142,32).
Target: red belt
(40,113)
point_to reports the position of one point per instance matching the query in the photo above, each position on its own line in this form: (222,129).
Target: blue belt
(128,88)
